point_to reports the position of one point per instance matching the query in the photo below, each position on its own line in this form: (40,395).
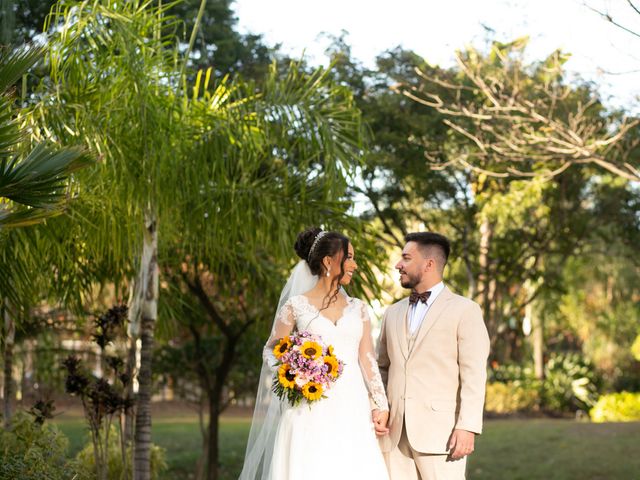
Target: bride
(333,438)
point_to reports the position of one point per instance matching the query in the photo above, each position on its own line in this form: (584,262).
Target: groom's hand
(461,444)
(380,419)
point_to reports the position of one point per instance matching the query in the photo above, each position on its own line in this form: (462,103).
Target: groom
(432,355)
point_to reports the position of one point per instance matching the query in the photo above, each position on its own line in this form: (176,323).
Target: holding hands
(380,419)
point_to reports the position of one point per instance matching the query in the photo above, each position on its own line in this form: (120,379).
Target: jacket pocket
(443,405)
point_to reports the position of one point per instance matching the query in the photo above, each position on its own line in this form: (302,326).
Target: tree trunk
(213,385)
(134,306)
(215,404)
(9,391)
(212,440)
(473,285)
(537,340)
(486,285)
(202,461)
(149,291)
(536,324)
(129,420)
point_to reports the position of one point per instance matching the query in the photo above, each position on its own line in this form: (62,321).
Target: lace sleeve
(368,364)
(282,326)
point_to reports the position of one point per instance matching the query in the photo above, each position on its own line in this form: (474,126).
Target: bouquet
(306,368)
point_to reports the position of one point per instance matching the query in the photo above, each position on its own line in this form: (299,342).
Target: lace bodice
(350,336)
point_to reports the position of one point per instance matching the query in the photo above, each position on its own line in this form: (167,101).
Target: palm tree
(122,105)
(224,169)
(33,186)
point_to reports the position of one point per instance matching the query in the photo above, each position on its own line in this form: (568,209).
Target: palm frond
(38,181)
(24,217)
(10,134)
(32,185)
(14,63)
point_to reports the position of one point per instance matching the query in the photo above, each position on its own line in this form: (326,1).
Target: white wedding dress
(334,438)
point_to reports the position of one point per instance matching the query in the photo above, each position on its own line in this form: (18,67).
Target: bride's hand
(380,419)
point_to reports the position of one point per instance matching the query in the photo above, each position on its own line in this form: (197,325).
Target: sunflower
(312,391)
(282,347)
(286,377)
(311,349)
(332,365)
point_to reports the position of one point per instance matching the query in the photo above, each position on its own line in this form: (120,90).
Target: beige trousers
(405,463)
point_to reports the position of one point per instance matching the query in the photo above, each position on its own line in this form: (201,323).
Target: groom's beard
(410,281)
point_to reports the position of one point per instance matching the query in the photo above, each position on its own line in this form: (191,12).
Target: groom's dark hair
(429,241)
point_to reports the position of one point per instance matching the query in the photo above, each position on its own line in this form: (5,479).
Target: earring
(328,272)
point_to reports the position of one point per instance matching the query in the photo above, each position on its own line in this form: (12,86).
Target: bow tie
(416,297)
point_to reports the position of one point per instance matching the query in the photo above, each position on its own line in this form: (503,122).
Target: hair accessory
(315,243)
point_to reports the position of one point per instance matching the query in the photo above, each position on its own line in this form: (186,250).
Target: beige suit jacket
(439,385)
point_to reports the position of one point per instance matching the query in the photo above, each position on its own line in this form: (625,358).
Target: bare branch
(438,106)
(511,129)
(631,175)
(610,19)
(477,80)
(466,134)
(442,83)
(195,286)
(476,169)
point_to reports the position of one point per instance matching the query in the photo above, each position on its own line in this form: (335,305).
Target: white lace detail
(268,356)
(299,313)
(304,306)
(363,312)
(375,385)
(369,365)
(286,314)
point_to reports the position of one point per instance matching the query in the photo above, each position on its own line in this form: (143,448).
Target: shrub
(617,407)
(106,399)
(627,377)
(32,451)
(511,397)
(570,383)
(86,465)
(511,373)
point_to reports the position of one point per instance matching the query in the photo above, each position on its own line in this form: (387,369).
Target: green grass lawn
(509,449)
(556,450)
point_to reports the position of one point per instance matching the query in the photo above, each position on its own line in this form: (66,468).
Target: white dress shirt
(418,311)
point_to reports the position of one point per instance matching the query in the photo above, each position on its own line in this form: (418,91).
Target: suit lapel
(401,327)
(434,312)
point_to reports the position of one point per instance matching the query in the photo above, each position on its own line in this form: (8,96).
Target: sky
(435,29)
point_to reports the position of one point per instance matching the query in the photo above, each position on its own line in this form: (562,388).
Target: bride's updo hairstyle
(313,245)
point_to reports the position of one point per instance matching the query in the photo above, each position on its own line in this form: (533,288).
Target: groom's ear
(430,264)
